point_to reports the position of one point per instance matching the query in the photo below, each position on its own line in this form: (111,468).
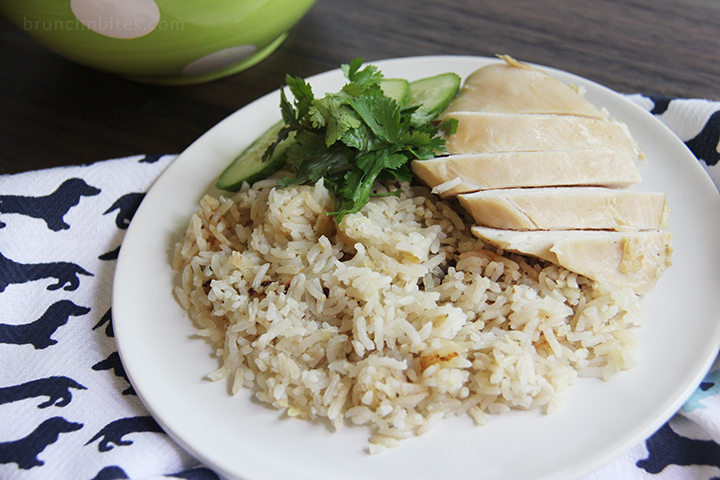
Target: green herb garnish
(354,137)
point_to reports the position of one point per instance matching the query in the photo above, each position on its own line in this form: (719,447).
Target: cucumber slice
(249,166)
(433,94)
(396,88)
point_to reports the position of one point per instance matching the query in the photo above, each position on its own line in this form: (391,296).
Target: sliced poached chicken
(515,87)
(519,127)
(566,208)
(457,174)
(629,259)
(480,132)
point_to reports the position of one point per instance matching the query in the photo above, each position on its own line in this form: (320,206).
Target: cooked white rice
(394,319)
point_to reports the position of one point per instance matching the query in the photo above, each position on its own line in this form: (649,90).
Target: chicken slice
(514,87)
(480,132)
(455,174)
(627,259)
(567,208)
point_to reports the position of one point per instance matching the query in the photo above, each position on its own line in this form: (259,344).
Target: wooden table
(54,112)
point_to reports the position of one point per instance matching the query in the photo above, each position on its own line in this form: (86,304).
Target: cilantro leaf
(380,113)
(333,113)
(360,78)
(302,91)
(449,126)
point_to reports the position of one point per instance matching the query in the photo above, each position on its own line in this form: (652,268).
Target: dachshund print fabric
(67,408)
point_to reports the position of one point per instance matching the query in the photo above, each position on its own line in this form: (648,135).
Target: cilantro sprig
(353,137)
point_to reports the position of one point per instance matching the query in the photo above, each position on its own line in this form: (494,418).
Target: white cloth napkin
(67,410)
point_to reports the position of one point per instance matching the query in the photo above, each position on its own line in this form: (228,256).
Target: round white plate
(242,439)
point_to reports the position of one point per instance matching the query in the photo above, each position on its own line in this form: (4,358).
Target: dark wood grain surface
(54,112)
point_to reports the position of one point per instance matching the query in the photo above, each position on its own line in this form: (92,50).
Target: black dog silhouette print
(151,158)
(660,104)
(106,320)
(111,255)
(57,389)
(126,206)
(705,144)
(39,332)
(24,452)
(111,472)
(113,363)
(51,208)
(667,448)
(113,432)
(197,473)
(67,274)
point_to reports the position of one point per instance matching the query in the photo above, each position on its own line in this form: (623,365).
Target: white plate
(240,438)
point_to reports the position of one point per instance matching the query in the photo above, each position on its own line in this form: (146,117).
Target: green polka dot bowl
(170,42)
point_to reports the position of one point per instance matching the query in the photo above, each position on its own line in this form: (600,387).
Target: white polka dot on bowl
(216,61)
(124,19)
